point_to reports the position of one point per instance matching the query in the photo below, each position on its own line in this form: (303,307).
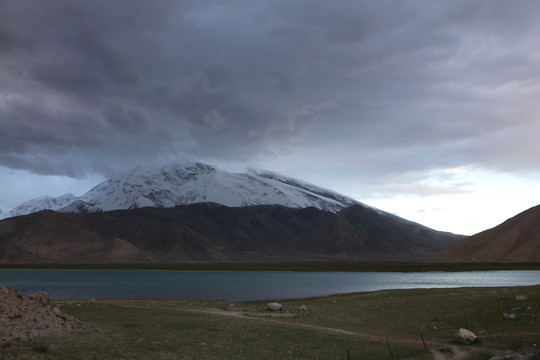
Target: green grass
(166,329)
(437,314)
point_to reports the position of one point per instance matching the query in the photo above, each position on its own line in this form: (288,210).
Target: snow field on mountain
(190,183)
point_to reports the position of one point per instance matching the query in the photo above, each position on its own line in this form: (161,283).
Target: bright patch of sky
(24,185)
(487,200)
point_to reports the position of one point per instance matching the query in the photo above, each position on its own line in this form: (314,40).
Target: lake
(242,285)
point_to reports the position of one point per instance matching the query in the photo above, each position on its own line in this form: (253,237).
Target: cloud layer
(381,87)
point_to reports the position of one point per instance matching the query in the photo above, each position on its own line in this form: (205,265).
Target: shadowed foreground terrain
(376,325)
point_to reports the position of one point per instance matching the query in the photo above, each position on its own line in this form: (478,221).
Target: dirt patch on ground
(276,317)
(450,353)
(440,350)
(23,317)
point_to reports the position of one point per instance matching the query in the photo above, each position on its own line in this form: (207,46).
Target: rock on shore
(24,317)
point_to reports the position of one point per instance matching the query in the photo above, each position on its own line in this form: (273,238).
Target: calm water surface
(241,285)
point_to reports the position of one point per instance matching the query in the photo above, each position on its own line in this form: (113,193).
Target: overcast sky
(427,109)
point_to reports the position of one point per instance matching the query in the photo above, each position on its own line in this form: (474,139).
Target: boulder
(521,297)
(303,308)
(59,313)
(274,306)
(41,297)
(509,316)
(465,336)
(16,314)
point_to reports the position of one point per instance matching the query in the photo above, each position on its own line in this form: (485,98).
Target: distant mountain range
(197,213)
(515,240)
(190,183)
(209,232)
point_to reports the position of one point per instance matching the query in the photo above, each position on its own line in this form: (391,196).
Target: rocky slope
(208,232)
(24,317)
(515,240)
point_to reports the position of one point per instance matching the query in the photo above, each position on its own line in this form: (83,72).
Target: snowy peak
(79,206)
(305,186)
(154,187)
(41,203)
(189,183)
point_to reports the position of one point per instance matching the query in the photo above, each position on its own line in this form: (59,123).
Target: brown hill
(366,234)
(216,233)
(515,240)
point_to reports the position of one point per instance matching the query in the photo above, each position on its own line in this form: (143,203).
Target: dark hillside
(208,232)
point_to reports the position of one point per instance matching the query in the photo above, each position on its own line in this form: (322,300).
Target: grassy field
(376,325)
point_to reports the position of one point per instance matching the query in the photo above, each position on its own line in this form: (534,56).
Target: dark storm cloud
(390,86)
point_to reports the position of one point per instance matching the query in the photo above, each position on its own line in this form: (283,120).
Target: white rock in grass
(274,306)
(465,336)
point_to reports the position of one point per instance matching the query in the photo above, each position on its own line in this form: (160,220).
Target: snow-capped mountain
(41,203)
(190,183)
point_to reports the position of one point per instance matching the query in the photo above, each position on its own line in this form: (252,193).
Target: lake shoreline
(243,285)
(296,267)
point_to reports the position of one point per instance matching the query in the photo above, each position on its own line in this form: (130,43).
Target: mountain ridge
(188,183)
(209,232)
(195,212)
